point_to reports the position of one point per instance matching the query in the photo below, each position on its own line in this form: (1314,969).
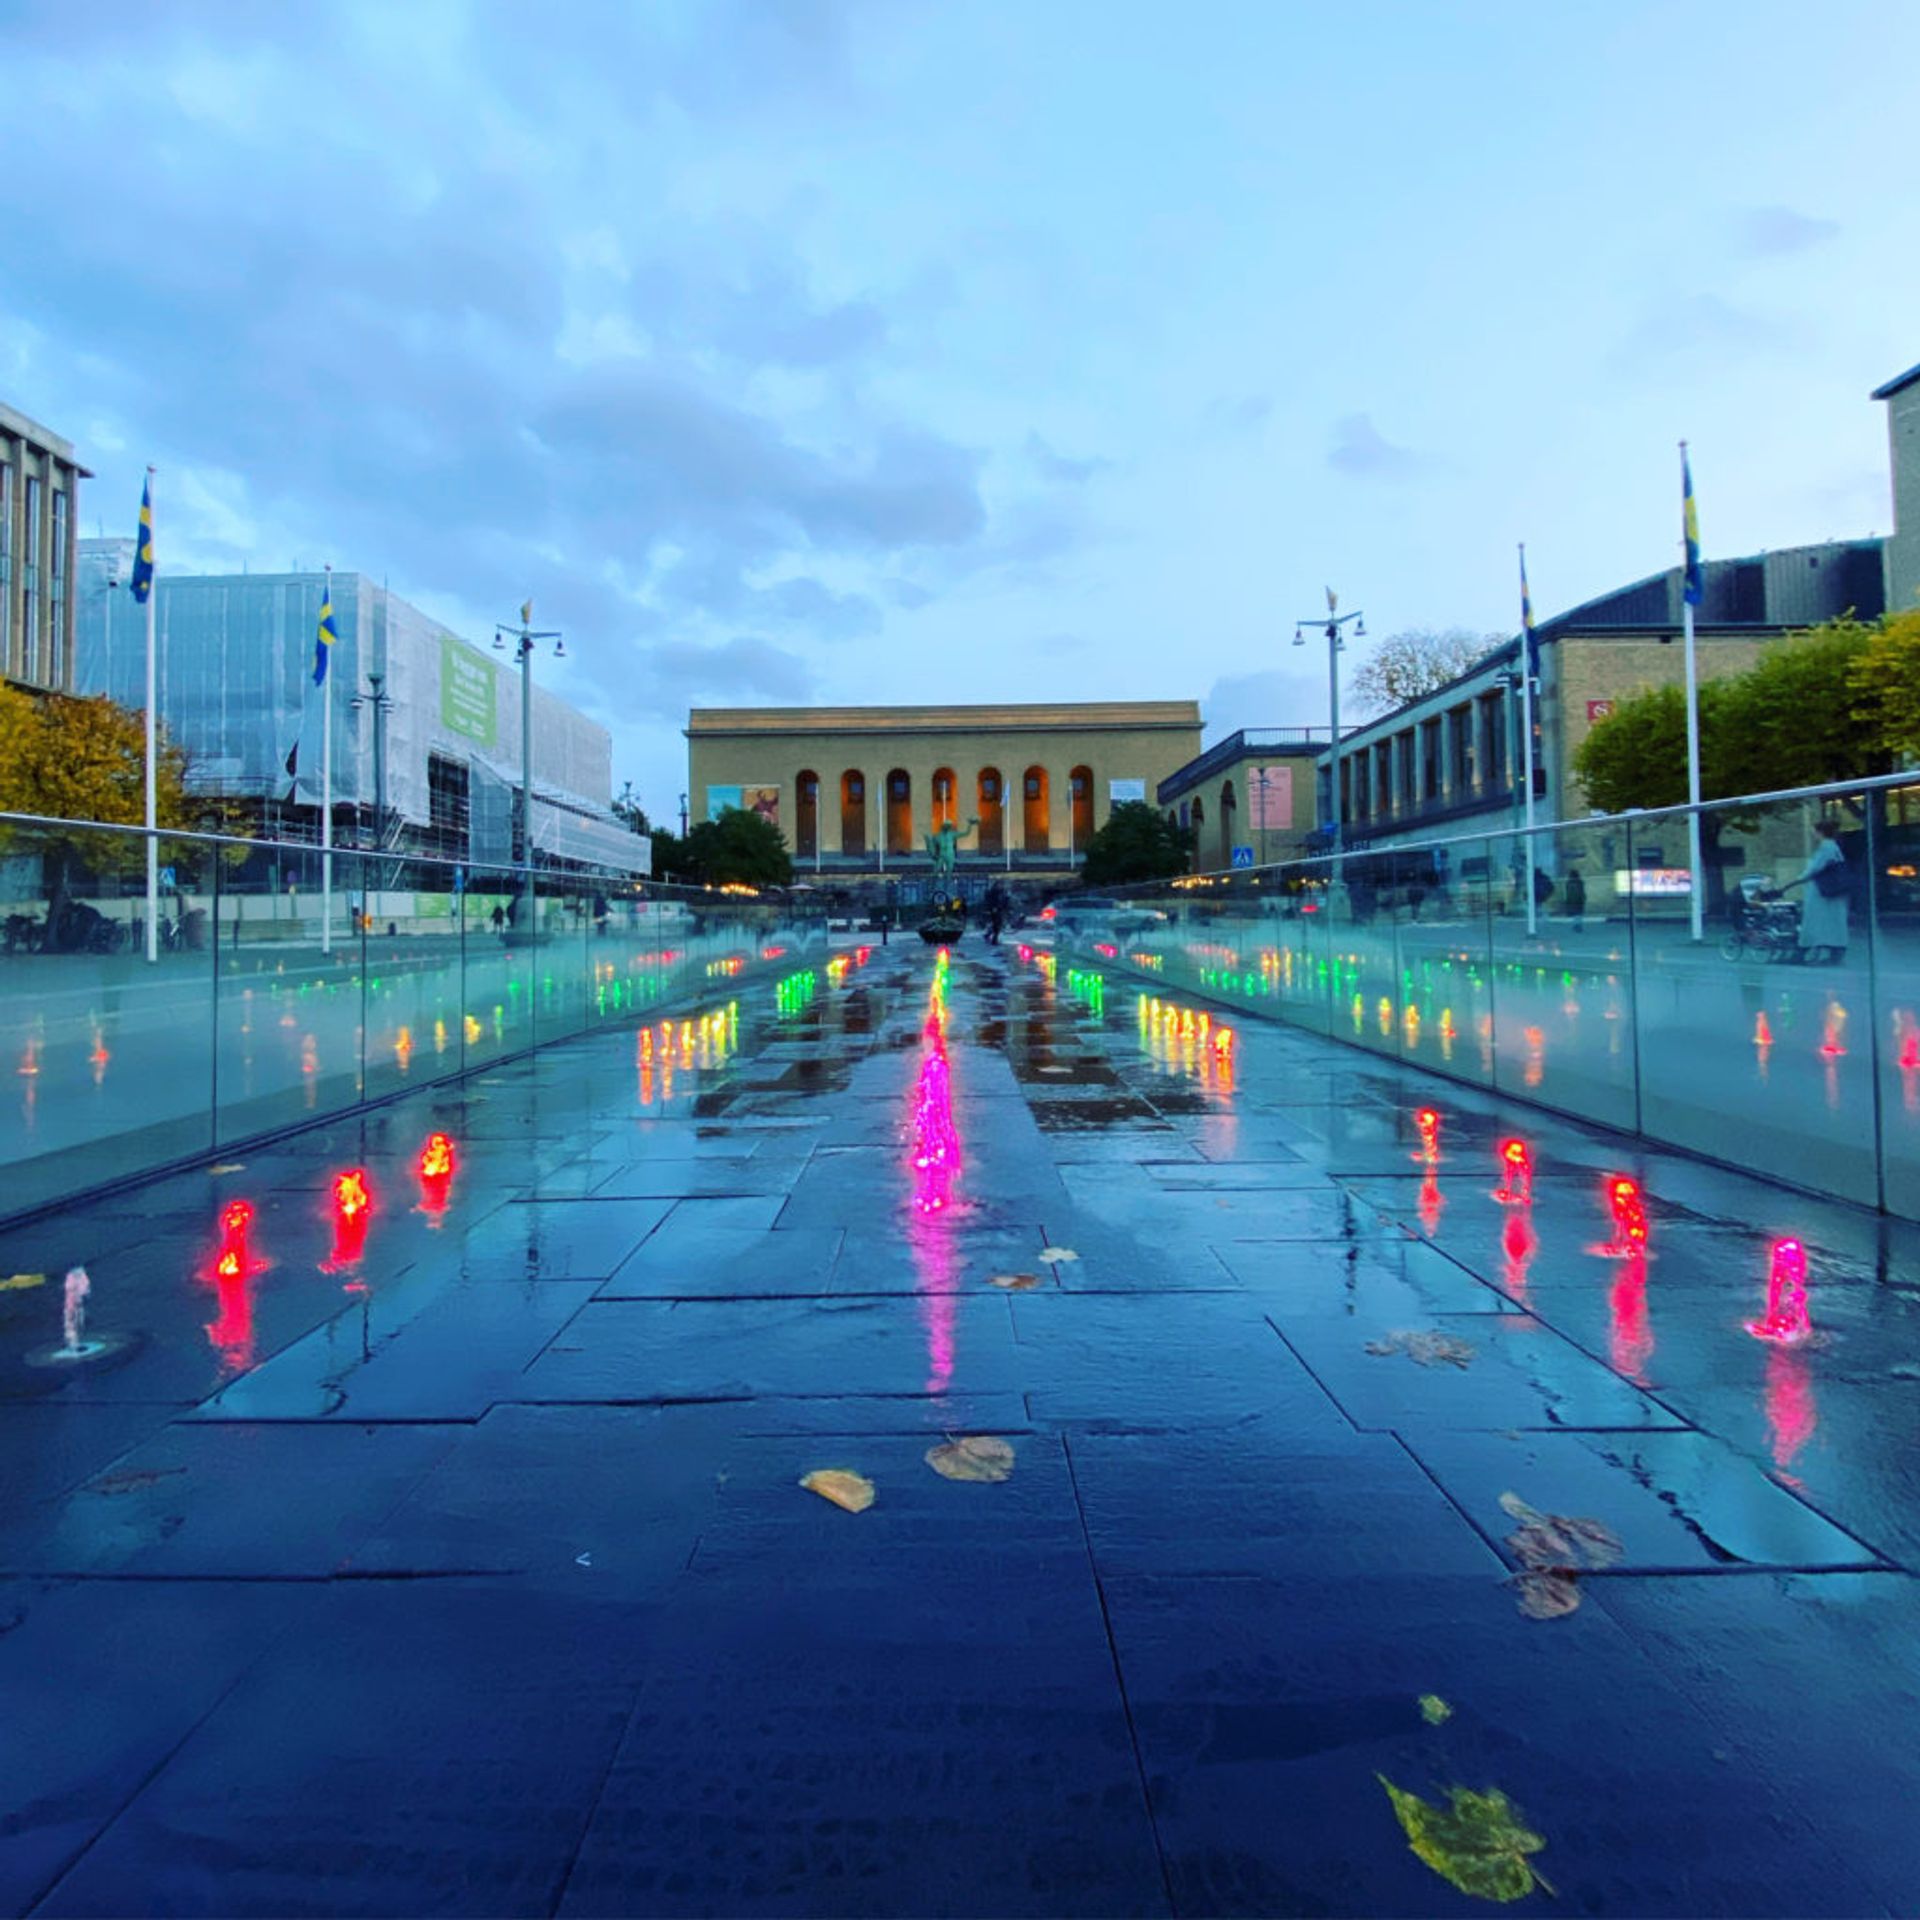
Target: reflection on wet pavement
(502,1393)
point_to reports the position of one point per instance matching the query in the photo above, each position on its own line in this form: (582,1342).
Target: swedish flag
(1526,622)
(324,639)
(1695,589)
(142,581)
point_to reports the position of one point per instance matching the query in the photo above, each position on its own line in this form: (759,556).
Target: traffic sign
(1243,856)
(166,877)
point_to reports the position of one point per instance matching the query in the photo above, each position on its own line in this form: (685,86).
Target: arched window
(1228,814)
(1080,787)
(899,811)
(1186,817)
(1033,804)
(853,812)
(992,811)
(806,813)
(945,803)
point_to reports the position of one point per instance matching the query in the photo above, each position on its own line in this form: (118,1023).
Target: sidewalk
(472,1574)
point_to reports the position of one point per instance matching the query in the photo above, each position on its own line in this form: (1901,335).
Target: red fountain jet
(1629,1215)
(1428,1123)
(437,1163)
(352,1214)
(1516,1165)
(1787,1321)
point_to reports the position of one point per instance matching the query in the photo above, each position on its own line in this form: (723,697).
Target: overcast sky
(791,350)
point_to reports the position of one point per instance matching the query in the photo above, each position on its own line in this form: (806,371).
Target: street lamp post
(523,637)
(1332,627)
(380,700)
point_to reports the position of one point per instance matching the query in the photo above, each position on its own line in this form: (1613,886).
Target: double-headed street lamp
(381,701)
(524,638)
(1331,627)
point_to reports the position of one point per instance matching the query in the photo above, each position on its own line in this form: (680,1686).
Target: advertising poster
(719,799)
(1272,796)
(763,800)
(466,692)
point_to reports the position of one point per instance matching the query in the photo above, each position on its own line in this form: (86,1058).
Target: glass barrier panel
(502,944)
(413,1000)
(1890,901)
(1359,918)
(109,1055)
(291,976)
(1756,1044)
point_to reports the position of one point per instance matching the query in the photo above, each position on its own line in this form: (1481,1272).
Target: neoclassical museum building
(857,789)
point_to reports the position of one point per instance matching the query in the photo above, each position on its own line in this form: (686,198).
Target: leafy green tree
(741,847)
(669,855)
(1885,682)
(1137,843)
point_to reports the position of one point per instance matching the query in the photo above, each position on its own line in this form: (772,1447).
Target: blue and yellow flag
(1526,621)
(1695,589)
(142,581)
(324,639)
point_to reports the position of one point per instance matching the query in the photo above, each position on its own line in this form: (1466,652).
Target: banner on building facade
(467,704)
(1119,790)
(1271,792)
(754,796)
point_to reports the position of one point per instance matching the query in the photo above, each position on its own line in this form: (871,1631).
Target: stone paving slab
(1677,1501)
(447,1580)
(1266,1710)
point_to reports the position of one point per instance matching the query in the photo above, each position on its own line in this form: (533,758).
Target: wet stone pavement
(451,1556)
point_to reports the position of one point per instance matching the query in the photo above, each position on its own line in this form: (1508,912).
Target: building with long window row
(859,789)
(39,528)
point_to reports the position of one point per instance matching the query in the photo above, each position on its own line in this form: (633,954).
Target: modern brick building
(1902,395)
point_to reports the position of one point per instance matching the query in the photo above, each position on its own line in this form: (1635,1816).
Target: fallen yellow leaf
(852,1491)
(1052,1255)
(19,1282)
(1016,1282)
(229,1166)
(975,1456)
(1478,1842)
(1434,1710)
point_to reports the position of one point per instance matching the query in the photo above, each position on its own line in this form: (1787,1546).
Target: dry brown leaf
(1426,1345)
(974,1456)
(1053,1255)
(1547,1594)
(853,1491)
(1016,1282)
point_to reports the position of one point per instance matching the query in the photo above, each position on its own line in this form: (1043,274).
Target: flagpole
(153,784)
(326,795)
(1526,735)
(1697,905)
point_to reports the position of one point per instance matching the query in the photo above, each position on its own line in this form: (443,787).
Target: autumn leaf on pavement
(1476,1844)
(1016,1282)
(975,1456)
(852,1491)
(1554,1549)
(1426,1345)
(1433,1710)
(1052,1255)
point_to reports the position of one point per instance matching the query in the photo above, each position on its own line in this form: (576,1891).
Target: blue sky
(890,351)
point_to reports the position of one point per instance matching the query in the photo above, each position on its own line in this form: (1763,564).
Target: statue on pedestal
(942,846)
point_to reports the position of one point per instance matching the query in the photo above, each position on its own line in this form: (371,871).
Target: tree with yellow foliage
(1885,683)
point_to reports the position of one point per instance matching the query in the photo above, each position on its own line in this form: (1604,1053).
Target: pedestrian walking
(1576,892)
(499,917)
(1823,914)
(996,905)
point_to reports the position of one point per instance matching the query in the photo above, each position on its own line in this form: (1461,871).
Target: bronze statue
(942,847)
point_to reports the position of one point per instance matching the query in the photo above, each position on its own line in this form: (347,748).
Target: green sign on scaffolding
(466,691)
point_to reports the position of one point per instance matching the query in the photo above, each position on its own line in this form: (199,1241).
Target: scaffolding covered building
(235,673)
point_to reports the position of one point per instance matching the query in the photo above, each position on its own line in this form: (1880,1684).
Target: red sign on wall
(1599,710)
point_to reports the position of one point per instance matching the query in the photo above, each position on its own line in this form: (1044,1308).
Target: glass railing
(1785,1040)
(276,999)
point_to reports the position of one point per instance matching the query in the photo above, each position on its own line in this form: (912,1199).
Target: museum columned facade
(858,789)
